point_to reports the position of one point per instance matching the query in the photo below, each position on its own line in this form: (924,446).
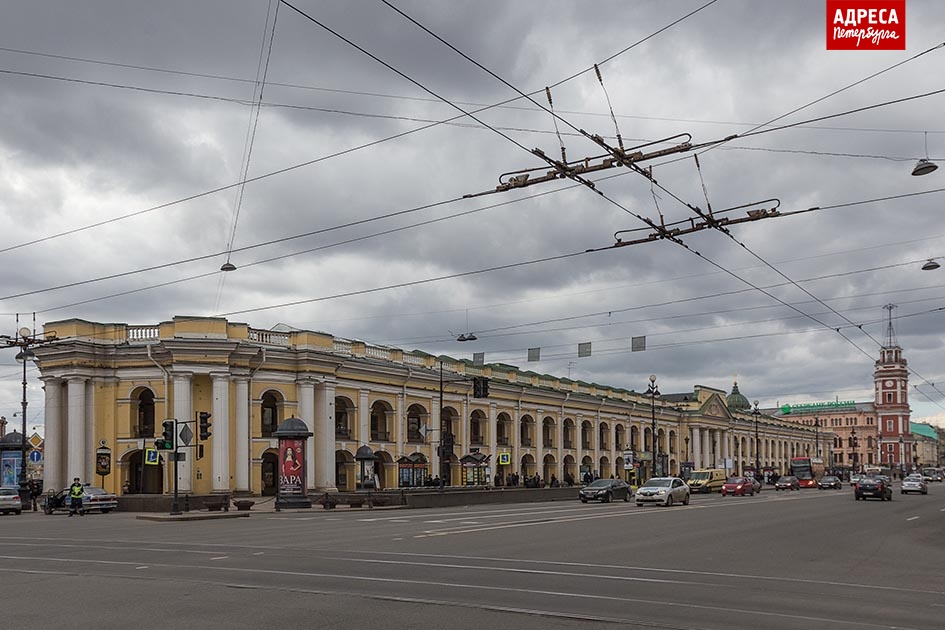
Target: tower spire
(891,340)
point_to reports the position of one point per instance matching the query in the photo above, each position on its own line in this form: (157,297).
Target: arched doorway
(270,480)
(143,478)
(549,469)
(344,471)
(603,468)
(528,465)
(570,470)
(385,470)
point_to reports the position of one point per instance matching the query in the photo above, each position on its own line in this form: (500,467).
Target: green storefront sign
(830,405)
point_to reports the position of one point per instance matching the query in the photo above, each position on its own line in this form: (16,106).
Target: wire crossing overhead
(571,170)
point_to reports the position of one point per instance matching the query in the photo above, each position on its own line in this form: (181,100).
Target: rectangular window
(889,397)
(889,426)
(889,448)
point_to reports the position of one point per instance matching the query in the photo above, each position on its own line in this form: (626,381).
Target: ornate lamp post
(23,340)
(652,391)
(853,443)
(756,414)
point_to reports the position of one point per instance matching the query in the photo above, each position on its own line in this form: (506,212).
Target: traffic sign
(36,456)
(505,459)
(151,456)
(186,435)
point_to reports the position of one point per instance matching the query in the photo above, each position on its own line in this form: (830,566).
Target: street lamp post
(902,466)
(816,436)
(686,439)
(652,391)
(23,340)
(756,414)
(853,444)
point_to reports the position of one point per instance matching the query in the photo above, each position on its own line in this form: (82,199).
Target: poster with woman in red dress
(291,466)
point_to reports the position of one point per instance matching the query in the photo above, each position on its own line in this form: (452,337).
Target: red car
(738,485)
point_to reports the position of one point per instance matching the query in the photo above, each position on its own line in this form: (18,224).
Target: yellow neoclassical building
(109,388)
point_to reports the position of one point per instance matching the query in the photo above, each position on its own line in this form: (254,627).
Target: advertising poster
(10,469)
(291,466)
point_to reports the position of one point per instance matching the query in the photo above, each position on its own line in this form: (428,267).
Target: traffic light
(166,441)
(480,387)
(204,424)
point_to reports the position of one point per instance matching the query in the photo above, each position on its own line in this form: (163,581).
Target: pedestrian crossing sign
(151,456)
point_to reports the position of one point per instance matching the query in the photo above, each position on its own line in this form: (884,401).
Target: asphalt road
(779,560)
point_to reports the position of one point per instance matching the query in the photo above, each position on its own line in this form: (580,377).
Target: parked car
(738,486)
(914,483)
(605,490)
(665,490)
(877,486)
(787,482)
(830,482)
(10,501)
(93,498)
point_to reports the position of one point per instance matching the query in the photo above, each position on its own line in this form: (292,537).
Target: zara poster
(10,469)
(291,466)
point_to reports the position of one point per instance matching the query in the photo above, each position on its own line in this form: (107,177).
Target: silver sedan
(914,483)
(664,490)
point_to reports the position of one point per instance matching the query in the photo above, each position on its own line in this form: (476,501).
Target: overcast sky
(127,125)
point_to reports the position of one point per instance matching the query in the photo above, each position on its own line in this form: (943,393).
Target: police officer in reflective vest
(75,498)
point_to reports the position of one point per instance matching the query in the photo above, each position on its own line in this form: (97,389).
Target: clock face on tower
(889,383)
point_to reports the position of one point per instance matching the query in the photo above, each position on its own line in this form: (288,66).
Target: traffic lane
(114,603)
(589,591)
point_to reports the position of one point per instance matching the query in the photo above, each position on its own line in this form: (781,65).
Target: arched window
(144,420)
(270,414)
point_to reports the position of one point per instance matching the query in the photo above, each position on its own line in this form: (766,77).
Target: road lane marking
(220,558)
(912,518)
(141,567)
(466,587)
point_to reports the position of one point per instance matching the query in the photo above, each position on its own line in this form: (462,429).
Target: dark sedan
(876,487)
(605,490)
(787,482)
(830,482)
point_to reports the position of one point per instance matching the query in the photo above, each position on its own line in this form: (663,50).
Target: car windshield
(8,492)
(787,479)
(700,475)
(736,480)
(829,479)
(658,483)
(600,483)
(914,478)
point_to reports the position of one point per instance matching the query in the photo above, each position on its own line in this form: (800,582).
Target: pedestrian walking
(75,498)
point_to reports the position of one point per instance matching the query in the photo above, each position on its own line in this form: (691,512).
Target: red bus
(807,470)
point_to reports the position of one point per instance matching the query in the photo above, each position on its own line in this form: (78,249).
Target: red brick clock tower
(891,379)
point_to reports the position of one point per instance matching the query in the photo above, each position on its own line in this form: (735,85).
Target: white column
(52,448)
(464,427)
(307,415)
(183,411)
(364,418)
(90,443)
(324,438)
(242,434)
(220,433)
(696,448)
(579,446)
(559,450)
(726,453)
(493,440)
(75,430)
(437,435)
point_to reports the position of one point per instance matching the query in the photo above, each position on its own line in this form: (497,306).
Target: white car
(664,490)
(914,483)
(10,501)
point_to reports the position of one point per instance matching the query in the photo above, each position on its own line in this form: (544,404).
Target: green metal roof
(924,430)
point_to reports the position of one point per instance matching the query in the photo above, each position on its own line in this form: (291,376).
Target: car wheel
(626,498)
(925,492)
(752,493)
(18,512)
(639,504)
(583,500)
(685,500)
(608,498)
(106,510)
(669,501)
